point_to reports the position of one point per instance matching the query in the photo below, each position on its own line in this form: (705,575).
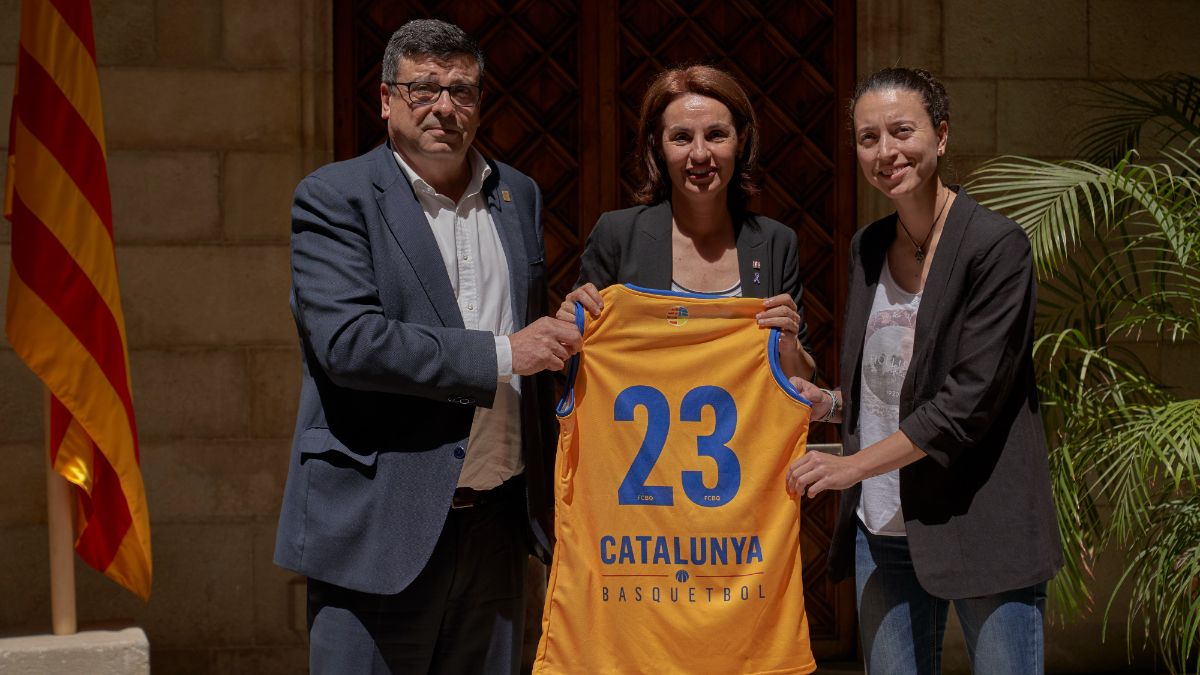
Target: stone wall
(1015,71)
(213,111)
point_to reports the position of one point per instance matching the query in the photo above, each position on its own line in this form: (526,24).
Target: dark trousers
(464,613)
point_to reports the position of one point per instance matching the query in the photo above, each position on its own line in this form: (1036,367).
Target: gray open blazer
(392,377)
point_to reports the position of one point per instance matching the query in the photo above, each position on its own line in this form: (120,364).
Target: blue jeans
(902,625)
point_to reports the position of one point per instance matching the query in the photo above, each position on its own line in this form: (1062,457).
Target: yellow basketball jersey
(677,542)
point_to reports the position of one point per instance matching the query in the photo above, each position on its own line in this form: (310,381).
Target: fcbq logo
(677,316)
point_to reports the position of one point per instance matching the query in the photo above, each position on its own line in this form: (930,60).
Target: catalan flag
(64,309)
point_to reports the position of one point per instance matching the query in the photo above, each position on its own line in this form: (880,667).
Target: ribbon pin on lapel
(756,266)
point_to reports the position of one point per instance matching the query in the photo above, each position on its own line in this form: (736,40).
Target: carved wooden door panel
(564,80)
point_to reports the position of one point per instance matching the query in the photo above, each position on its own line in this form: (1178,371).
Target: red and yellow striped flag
(64,308)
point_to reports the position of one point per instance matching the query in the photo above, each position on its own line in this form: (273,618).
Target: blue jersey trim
(567,403)
(777,370)
(677,294)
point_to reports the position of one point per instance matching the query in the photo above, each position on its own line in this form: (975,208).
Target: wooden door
(563,83)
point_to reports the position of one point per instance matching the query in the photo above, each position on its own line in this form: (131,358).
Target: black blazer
(633,246)
(978,511)
(391,375)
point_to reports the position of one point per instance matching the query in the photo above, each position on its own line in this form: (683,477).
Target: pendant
(920,254)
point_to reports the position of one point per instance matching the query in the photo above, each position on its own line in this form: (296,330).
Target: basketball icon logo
(681,576)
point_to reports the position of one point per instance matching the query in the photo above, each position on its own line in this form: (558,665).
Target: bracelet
(835,406)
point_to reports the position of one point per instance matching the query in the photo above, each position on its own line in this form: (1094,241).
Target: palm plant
(1116,241)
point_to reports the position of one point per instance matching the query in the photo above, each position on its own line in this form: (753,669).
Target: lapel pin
(756,264)
(505,196)
(757,279)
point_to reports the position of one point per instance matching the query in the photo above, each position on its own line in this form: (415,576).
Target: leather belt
(465,497)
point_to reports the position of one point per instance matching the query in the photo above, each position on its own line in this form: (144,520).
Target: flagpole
(62,540)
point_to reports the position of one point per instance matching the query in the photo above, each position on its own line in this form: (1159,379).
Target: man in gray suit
(420,473)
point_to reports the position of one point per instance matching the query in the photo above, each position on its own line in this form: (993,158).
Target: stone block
(206,295)
(279,595)
(275,389)
(972,116)
(1181,368)
(94,652)
(1143,39)
(188,32)
(261,33)
(1041,118)
(322,140)
(316,39)
(959,167)
(21,400)
(124,31)
(23,484)
(202,481)
(257,190)
(202,594)
(10,33)
(161,197)
(198,393)
(25,579)
(899,32)
(176,108)
(1017,39)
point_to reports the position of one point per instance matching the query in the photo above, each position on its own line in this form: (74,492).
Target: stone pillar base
(94,652)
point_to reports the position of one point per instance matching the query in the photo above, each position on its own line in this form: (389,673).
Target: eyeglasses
(427,93)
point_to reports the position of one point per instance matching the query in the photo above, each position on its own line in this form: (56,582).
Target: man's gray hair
(428,37)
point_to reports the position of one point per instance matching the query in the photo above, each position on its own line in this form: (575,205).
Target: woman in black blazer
(945,479)
(697,152)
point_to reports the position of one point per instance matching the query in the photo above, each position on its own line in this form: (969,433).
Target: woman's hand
(816,472)
(779,311)
(815,395)
(586,295)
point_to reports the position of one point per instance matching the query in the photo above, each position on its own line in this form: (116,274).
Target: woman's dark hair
(933,93)
(654,185)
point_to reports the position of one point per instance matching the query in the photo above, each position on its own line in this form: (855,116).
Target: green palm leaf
(1116,242)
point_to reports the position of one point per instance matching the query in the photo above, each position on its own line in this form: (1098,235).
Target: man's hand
(587,295)
(545,344)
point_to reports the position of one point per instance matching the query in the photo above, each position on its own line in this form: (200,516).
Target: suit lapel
(872,248)
(508,225)
(751,251)
(945,259)
(654,246)
(410,227)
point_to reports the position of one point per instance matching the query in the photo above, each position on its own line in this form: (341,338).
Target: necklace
(920,252)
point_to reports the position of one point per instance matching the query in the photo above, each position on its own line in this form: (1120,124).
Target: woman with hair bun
(945,480)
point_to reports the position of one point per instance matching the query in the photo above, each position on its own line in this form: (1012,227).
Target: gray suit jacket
(978,511)
(392,378)
(633,246)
